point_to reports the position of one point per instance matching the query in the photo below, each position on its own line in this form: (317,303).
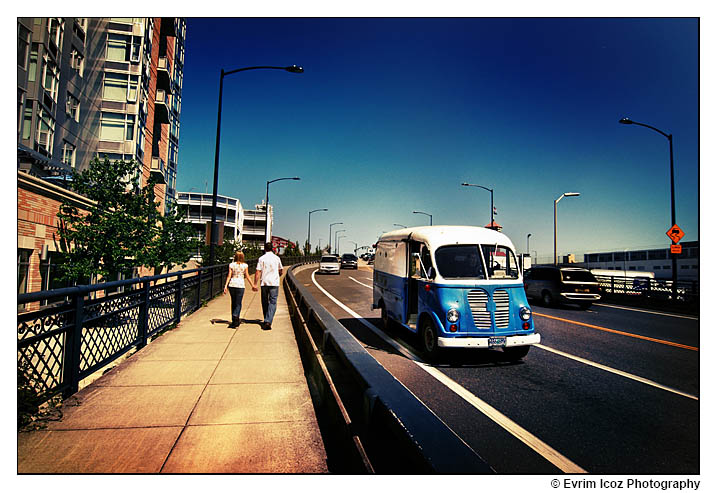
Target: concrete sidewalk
(202,398)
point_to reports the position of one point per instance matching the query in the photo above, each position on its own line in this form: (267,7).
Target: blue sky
(392,114)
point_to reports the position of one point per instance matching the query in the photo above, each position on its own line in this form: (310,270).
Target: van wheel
(516,353)
(385,320)
(547,298)
(429,338)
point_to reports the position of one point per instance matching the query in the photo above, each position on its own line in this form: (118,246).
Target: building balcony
(157,168)
(162,106)
(164,76)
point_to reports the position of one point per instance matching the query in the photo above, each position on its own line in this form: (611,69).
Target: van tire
(429,338)
(385,320)
(547,298)
(516,353)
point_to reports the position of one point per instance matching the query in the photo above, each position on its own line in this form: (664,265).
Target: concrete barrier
(376,422)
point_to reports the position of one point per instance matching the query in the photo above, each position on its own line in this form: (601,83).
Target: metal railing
(376,424)
(648,292)
(85,328)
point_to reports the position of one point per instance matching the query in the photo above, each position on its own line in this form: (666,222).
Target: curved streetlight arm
(490,190)
(309,228)
(292,68)
(627,121)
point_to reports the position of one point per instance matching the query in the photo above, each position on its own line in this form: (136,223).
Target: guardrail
(85,328)
(375,420)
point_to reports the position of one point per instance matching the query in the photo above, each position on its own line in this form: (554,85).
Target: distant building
(657,261)
(254,224)
(199,214)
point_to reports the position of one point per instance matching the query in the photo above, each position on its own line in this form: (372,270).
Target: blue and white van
(456,286)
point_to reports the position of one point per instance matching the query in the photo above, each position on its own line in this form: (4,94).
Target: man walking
(269,268)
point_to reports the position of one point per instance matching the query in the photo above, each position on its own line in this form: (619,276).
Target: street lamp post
(555,203)
(267,239)
(213,227)
(400,225)
(330,235)
(336,248)
(339,238)
(527,243)
(674,257)
(491,190)
(309,229)
(431,218)
(355,246)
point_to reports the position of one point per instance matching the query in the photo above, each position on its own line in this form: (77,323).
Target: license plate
(497,341)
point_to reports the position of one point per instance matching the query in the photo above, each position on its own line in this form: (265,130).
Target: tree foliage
(123,228)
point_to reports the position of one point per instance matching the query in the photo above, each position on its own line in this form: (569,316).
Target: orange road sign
(675,233)
(676,248)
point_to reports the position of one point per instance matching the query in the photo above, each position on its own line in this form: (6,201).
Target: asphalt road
(608,391)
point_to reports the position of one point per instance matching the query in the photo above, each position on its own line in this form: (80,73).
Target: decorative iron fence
(647,291)
(91,326)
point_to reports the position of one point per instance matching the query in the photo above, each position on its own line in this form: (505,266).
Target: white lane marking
(365,285)
(647,311)
(540,447)
(615,371)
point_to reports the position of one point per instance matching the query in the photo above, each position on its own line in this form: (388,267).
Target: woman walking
(238,272)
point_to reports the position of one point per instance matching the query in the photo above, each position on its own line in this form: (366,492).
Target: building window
(640,255)
(123,48)
(68,153)
(117,126)
(49,272)
(657,254)
(72,108)
(32,72)
(120,87)
(27,122)
(118,47)
(80,27)
(23,45)
(55,28)
(77,62)
(23,269)
(51,79)
(45,132)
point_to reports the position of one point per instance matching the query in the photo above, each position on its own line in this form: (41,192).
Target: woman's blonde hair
(239,257)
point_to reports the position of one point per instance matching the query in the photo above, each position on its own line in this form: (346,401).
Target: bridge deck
(202,398)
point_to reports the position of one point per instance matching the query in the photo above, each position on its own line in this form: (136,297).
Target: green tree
(223,254)
(122,229)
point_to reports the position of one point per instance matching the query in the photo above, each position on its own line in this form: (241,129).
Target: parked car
(349,261)
(329,264)
(560,284)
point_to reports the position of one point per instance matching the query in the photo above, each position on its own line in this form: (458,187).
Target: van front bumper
(483,342)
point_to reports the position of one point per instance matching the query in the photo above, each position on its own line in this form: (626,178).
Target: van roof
(436,236)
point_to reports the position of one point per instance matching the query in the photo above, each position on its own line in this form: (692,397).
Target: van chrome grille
(501,315)
(478,299)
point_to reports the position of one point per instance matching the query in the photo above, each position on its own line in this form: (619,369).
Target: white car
(329,264)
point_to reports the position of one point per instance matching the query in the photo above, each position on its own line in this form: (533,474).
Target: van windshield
(460,261)
(465,262)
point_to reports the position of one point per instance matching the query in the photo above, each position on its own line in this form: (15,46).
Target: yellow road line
(660,341)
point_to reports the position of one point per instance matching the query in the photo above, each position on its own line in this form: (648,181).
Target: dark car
(558,284)
(349,261)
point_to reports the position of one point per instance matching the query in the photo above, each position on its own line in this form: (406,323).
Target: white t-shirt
(270,265)
(237,279)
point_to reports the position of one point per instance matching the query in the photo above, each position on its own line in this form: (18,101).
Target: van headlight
(525,313)
(452,315)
